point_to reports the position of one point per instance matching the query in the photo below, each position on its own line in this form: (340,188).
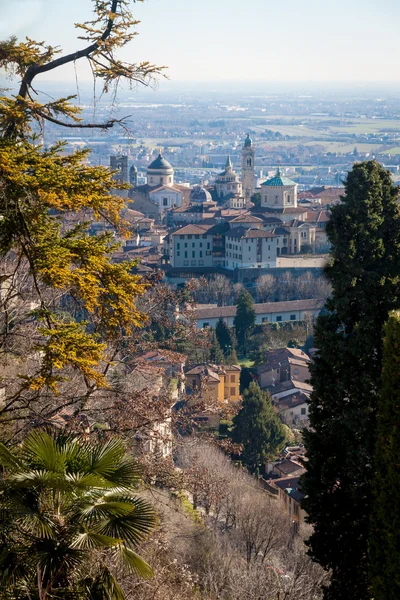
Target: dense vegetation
(364,231)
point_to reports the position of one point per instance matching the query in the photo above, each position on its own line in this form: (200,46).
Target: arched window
(249,162)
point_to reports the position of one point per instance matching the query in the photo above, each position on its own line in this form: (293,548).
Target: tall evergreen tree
(224,336)
(385,528)
(216,354)
(245,319)
(364,231)
(258,428)
(232,358)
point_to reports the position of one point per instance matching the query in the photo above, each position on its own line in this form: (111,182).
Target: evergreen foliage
(257,428)
(364,232)
(224,336)
(69,514)
(232,358)
(385,527)
(216,354)
(41,187)
(245,319)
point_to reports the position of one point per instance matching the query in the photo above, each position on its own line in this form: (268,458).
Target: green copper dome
(278,180)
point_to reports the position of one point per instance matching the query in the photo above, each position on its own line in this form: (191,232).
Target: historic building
(227,183)
(248,155)
(160,193)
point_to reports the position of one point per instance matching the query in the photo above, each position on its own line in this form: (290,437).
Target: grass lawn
(245,362)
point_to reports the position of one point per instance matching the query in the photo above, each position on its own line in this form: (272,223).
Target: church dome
(160,164)
(200,195)
(247,141)
(279,180)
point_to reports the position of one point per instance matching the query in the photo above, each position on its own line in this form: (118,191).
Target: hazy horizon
(226,41)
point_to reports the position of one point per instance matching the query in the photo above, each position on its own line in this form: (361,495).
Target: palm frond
(107,457)
(83,481)
(103,510)
(134,562)
(132,527)
(41,449)
(90,540)
(7,458)
(105,586)
(38,477)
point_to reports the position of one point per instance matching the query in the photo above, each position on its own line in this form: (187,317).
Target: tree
(257,428)
(364,232)
(47,201)
(216,354)
(69,513)
(245,319)
(385,527)
(224,336)
(266,287)
(256,199)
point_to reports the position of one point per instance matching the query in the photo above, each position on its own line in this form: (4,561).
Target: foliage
(69,513)
(364,232)
(257,428)
(47,201)
(216,354)
(256,199)
(245,319)
(384,546)
(224,336)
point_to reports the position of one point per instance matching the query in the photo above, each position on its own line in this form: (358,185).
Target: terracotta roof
(292,400)
(265,307)
(243,232)
(193,230)
(289,385)
(246,219)
(286,467)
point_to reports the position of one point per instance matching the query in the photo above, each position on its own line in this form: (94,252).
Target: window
(194,383)
(208,245)
(196,237)
(194,254)
(201,244)
(279,318)
(169,179)
(201,263)
(178,253)
(206,325)
(201,253)
(185,253)
(296,371)
(181,237)
(264,320)
(185,244)
(185,263)
(193,244)
(208,253)
(151,180)
(292,317)
(233,391)
(165,201)
(304,411)
(189,237)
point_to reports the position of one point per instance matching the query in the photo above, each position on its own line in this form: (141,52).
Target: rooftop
(279,181)
(260,309)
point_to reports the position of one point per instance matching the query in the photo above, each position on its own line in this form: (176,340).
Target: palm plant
(69,519)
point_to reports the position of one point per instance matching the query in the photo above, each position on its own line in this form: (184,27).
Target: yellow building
(214,382)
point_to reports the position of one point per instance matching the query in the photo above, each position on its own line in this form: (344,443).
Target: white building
(266,312)
(227,183)
(247,248)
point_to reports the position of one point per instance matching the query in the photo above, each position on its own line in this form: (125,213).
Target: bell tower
(248,155)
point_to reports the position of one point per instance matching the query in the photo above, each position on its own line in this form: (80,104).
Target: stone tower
(120,164)
(133,176)
(248,154)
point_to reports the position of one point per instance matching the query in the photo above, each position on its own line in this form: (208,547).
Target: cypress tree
(224,336)
(245,319)
(216,354)
(364,231)
(232,358)
(385,528)
(258,428)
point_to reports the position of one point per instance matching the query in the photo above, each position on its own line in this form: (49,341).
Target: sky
(236,40)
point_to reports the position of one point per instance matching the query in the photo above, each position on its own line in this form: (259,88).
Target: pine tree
(385,528)
(245,319)
(232,358)
(364,232)
(224,336)
(258,428)
(216,354)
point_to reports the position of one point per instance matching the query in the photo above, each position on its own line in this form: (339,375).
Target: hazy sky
(245,40)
